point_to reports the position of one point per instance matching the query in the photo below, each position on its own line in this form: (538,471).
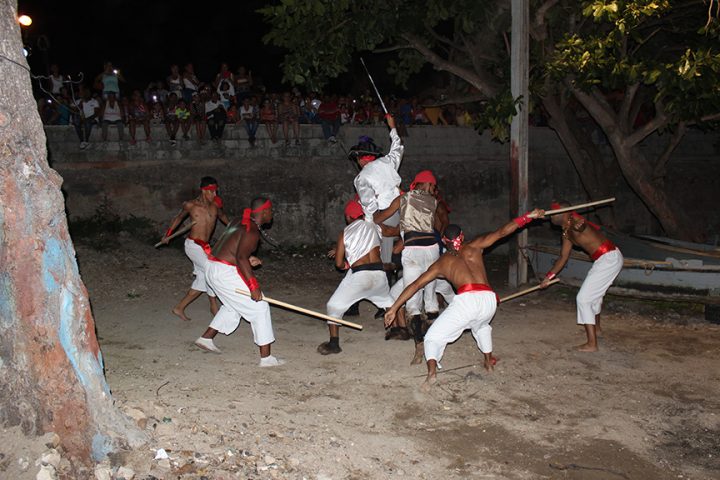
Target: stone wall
(310,183)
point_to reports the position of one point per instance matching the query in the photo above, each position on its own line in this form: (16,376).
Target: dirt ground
(647,406)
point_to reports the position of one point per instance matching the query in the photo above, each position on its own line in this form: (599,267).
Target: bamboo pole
(578,207)
(312,313)
(178,233)
(529,290)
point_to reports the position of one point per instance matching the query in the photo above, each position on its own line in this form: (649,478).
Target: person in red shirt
(329,113)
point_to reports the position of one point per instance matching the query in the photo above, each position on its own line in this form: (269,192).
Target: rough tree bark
(51,368)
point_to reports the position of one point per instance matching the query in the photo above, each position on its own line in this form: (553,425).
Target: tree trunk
(596,177)
(51,368)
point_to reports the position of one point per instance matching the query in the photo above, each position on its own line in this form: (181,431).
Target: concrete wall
(310,183)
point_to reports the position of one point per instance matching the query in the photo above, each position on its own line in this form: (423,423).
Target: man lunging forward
(204,211)
(229,268)
(608,261)
(359,243)
(475,303)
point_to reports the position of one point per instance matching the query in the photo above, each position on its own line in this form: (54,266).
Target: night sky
(142,38)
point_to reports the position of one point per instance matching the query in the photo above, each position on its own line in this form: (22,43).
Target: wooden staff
(304,310)
(529,290)
(578,207)
(178,233)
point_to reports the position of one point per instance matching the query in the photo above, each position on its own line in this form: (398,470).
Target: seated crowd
(189,107)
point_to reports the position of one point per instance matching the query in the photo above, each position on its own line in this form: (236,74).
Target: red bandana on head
(575,215)
(455,242)
(212,188)
(367,158)
(353,209)
(246,220)
(426,176)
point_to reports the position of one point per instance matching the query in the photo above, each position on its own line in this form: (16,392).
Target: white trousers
(473,310)
(416,261)
(386,243)
(444,288)
(199,259)
(369,285)
(599,278)
(224,279)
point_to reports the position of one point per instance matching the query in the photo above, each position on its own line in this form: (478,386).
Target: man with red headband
(229,268)
(607,263)
(418,209)
(359,243)
(475,303)
(378,182)
(204,211)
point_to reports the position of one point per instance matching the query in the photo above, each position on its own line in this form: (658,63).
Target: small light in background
(25,20)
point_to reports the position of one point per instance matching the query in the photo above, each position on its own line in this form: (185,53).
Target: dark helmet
(365,146)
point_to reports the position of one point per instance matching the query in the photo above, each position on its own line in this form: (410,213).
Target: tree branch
(603,116)
(461,99)
(538,29)
(393,48)
(661,166)
(440,63)
(638,135)
(444,39)
(602,100)
(627,102)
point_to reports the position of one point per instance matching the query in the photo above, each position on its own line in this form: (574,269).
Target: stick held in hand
(312,313)
(525,292)
(578,207)
(185,229)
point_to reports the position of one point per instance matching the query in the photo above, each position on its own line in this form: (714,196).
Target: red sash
(476,287)
(203,244)
(606,246)
(242,277)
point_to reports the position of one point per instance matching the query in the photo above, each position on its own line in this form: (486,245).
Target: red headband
(212,188)
(246,220)
(353,209)
(576,215)
(555,205)
(426,176)
(455,242)
(367,158)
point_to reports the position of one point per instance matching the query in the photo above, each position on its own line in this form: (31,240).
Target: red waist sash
(476,287)
(202,243)
(215,259)
(242,277)
(606,246)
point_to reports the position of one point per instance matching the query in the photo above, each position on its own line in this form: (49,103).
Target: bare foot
(427,385)
(598,331)
(490,363)
(418,358)
(586,347)
(181,314)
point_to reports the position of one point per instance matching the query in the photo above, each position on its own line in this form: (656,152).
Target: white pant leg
(226,320)
(416,261)
(224,279)
(364,285)
(601,275)
(386,244)
(444,288)
(199,259)
(397,289)
(470,310)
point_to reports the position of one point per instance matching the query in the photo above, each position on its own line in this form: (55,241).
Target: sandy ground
(647,406)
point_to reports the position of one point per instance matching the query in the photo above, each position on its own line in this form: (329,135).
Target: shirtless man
(359,243)
(608,261)
(229,268)
(204,211)
(475,303)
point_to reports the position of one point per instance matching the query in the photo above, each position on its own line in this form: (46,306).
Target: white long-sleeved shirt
(360,237)
(378,182)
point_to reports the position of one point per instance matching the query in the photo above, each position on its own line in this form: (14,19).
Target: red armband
(522,221)
(253,284)
(387,115)
(550,275)
(169,232)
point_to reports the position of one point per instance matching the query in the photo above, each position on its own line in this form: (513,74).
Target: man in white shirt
(89,111)
(378,182)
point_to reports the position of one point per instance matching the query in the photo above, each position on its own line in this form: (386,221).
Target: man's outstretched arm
(485,241)
(431,274)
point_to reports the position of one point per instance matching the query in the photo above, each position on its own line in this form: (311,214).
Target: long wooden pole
(525,292)
(178,233)
(578,207)
(312,313)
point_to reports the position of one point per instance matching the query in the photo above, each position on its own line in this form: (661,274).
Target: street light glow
(25,20)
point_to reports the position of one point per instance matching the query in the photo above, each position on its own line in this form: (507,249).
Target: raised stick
(578,207)
(529,290)
(374,87)
(304,310)
(178,233)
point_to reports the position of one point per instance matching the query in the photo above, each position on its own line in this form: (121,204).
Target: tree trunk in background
(51,368)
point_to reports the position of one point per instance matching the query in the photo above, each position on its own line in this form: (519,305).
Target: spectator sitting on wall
(191,84)
(268,116)
(223,74)
(109,80)
(175,82)
(55,83)
(183,115)
(216,116)
(329,114)
(172,123)
(138,115)
(197,110)
(89,111)
(243,83)
(433,113)
(112,112)
(249,116)
(289,114)
(227,93)
(232,114)
(157,114)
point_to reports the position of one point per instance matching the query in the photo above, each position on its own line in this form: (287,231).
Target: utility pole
(519,61)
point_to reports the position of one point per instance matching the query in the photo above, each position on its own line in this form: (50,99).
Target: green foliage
(497,114)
